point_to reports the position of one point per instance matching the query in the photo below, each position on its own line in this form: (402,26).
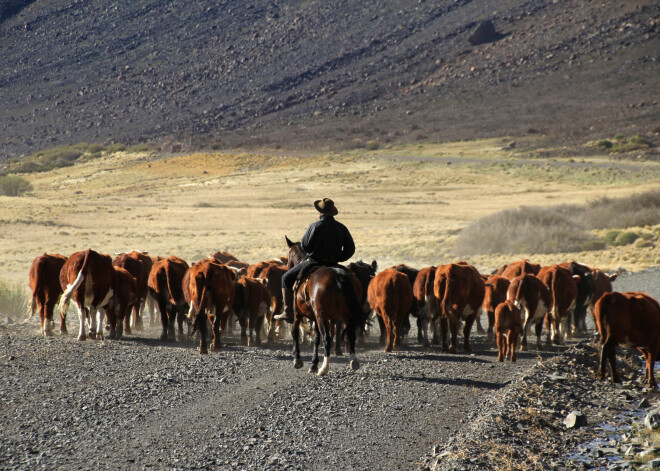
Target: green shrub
(618,137)
(145,147)
(611,236)
(641,243)
(625,238)
(604,144)
(372,145)
(647,236)
(13,185)
(13,300)
(631,144)
(111,149)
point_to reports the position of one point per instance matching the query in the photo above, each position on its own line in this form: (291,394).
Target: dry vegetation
(407,209)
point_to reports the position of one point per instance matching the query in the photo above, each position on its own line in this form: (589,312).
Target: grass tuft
(13,300)
(14,185)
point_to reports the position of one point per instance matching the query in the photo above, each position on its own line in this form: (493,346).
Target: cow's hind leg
(324,329)
(215,346)
(466,331)
(200,325)
(82,333)
(338,337)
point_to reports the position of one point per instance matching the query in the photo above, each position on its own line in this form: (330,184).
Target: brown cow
(633,320)
(521,267)
(459,292)
(426,305)
(139,265)
(46,289)
(212,293)
(272,277)
(121,303)
(89,278)
(495,294)
(508,326)
(166,288)
(602,285)
(224,257)
(532,297)
(390,295)
(564,290)
(252,302)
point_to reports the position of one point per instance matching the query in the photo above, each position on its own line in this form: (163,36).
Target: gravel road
(141,403)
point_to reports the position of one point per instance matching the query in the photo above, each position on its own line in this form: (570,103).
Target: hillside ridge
(334,73)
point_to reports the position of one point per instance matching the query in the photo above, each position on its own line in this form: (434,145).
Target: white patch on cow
(467,312)
(48,327)
(541,311)
(262,309)
(107,298)
(627,343)
(325,367)
(82,334)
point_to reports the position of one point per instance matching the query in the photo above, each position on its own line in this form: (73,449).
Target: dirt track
(140,403)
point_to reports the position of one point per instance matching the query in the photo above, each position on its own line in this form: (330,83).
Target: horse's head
(296,253)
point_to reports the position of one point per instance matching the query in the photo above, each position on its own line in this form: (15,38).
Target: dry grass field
(401,205)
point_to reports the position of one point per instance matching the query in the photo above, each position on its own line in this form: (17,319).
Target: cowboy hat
(326,206)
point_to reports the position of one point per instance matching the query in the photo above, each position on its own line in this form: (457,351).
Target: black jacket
(328,241)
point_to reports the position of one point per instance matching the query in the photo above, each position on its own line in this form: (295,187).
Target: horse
(328,294)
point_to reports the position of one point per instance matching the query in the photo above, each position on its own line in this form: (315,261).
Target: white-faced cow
(88,278)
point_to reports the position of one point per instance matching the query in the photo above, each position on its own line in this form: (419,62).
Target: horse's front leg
(315,359)
(295,333)
(324,329)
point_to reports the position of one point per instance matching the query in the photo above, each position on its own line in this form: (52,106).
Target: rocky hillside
(332,72)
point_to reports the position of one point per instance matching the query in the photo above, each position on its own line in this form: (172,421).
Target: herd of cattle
(441,298)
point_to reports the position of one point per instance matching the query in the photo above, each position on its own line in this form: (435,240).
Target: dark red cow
(585,293)
(122,302)
(508,326)
(139,265)
(495,294)
(272,277)
(564,290)
(631,319)
(88,278)
(212,292)
(46,289)
(515,269)
(532,297)
(390,295)
(166,288)
(459,291)
(252,302)
(426,305)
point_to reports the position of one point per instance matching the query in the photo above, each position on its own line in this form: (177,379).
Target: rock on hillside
(325,73)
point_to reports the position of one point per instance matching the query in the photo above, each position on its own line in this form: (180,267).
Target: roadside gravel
(140,403)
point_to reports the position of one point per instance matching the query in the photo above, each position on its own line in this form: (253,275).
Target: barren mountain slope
(323,72)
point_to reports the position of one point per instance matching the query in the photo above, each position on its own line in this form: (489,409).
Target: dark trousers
(290,277)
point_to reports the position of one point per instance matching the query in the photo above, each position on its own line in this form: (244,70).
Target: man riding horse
(326,242)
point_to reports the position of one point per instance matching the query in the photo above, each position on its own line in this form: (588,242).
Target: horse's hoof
(355,365)
(322,372)
(82,338)
(523,348)
(128,330)
(297,363)
(313,369)
(203,351)
(452,349)
(163,337)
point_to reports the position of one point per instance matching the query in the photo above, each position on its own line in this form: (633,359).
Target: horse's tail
(346,287)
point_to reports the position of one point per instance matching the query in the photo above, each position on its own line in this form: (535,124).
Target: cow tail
(68,293)
(429,302)
(32,306)
(170,288)
(446,304)
(553,294)
(345,284)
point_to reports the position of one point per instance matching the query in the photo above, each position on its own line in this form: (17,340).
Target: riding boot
(287,315)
